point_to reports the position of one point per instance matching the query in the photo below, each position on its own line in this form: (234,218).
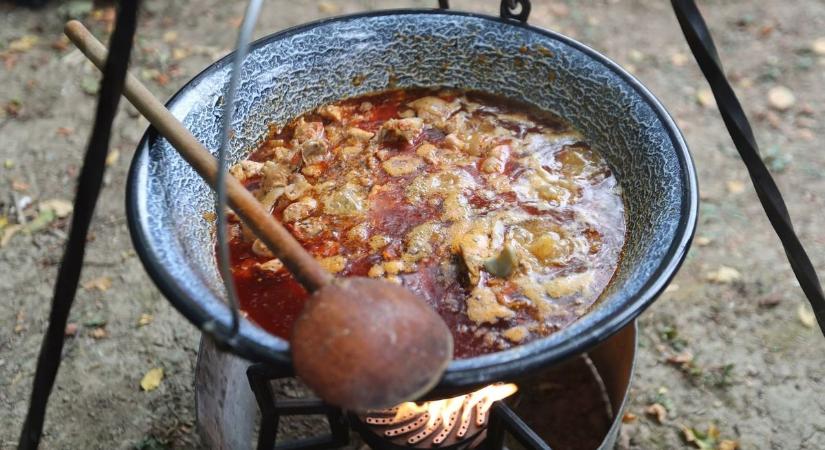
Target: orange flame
(444,408)
(443,415)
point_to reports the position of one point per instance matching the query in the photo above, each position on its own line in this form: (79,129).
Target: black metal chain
(701,44)
(88,190)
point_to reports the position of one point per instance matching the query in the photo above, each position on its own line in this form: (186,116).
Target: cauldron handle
(518,10)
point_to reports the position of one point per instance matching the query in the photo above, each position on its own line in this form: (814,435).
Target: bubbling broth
(497,214)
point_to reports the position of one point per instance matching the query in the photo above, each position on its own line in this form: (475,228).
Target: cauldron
(296,70)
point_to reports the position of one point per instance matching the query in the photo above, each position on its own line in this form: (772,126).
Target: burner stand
(550,410)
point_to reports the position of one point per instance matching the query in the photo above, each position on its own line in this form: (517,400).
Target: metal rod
(511,422)
(224,262)
(88,189)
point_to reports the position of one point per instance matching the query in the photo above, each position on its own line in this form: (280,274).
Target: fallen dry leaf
(113,157)
(705,98)
(99,333)
(723,275)
(170,36)
(151,380)
(145,319)
(672,287)
(162,79)
(71,329)
(8,232)
(44,218)
(179,54)
(327,7)
(806,316)
(60,44)
(770,301)
(805,134)
(681,359)
(61,208)
(20,323)
(23,44)
(678,59)
(727,444)
(635,55)
(702,440)
(702,241)
(102,284)
(781,98)
(735,186)
(745,83)
(19,185)
(559,9)
(628,417)
(657,411)
(818,46)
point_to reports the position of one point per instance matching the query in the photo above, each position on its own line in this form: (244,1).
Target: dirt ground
(730,346)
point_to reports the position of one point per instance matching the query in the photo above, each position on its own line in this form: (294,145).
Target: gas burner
(451,423)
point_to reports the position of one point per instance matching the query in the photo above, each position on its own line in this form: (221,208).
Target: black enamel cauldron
(296,70)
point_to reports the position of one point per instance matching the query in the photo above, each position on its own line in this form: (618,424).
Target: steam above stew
(499,215)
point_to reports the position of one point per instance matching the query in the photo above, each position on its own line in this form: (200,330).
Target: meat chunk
(333,264)
(475,249)
(516,334)
(405,130)
(378,242)
(359,233)
(331,112)
(300,209)
(453,141)
(402,165)
(396,266)
(429,152)
(314,170)
(569,285)
(245,170)
(350,151)
(482,307)
(550,247)
(315,151)
(260,249)
(288,156)
(273,265)
(434,110)
(269,197)
(346,201)
(274,174)
(497,160)
(309,227)
(297,187)
(305,131)
(376,271)
(359,135)
(419,240)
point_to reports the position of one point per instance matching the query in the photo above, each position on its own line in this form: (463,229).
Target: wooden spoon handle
(302,265)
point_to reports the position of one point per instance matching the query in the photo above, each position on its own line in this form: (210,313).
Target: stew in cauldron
(500,215)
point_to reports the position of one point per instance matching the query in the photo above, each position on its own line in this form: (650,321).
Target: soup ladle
(359,343)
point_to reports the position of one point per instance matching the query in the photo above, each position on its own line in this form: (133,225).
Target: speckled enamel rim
(255,344)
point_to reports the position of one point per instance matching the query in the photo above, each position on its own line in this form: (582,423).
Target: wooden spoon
(359,343)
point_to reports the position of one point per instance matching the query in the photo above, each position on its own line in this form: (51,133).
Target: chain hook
(515,10)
